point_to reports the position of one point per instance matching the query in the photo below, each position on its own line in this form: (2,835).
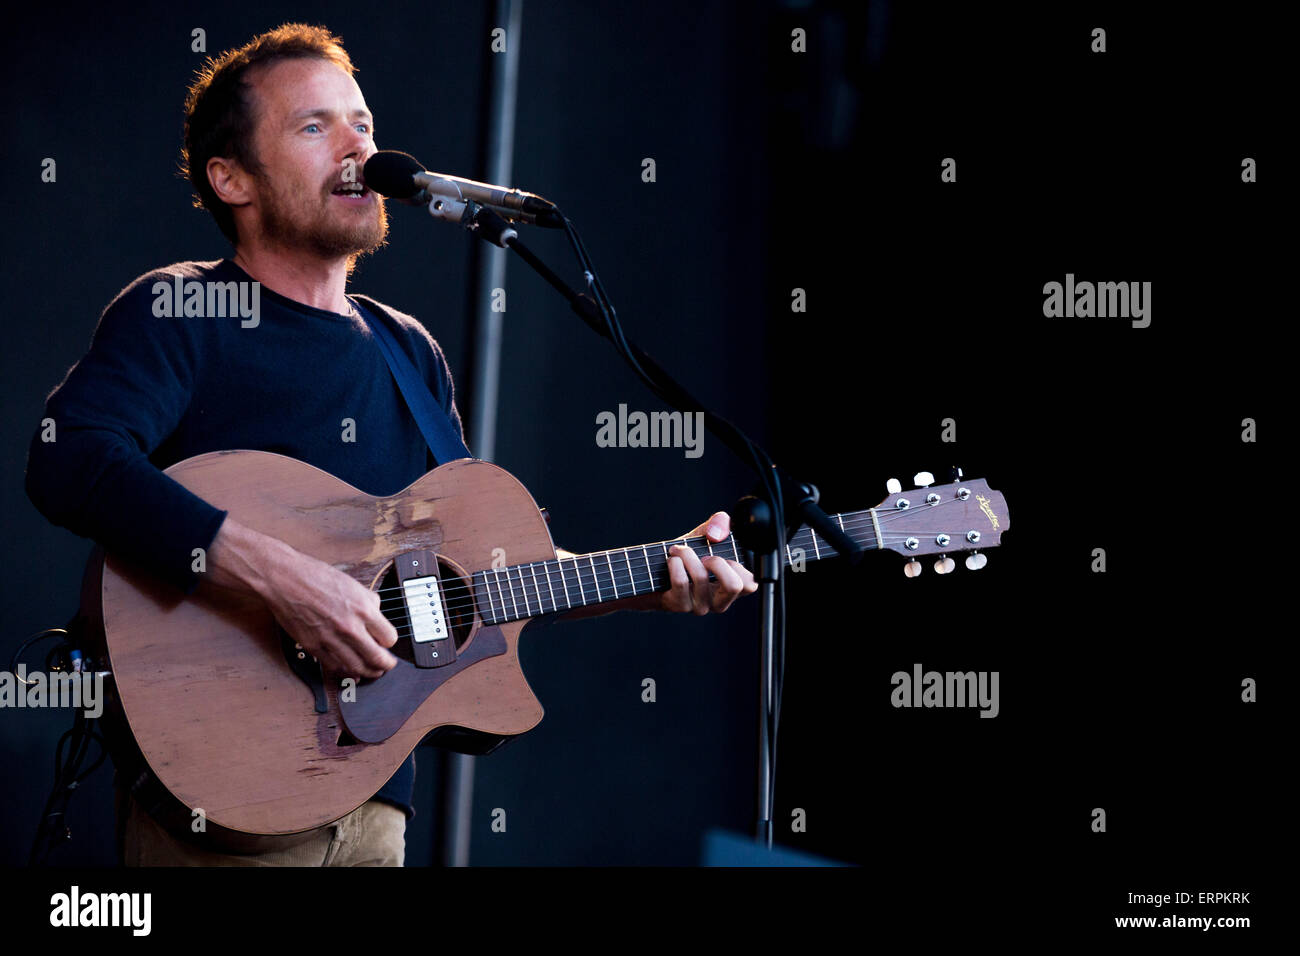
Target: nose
(359,147)
(365,155)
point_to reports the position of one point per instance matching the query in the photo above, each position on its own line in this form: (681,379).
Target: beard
(327,232)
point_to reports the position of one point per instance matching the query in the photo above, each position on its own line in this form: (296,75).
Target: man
(275,135)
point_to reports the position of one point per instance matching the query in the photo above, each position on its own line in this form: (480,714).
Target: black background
(820,171)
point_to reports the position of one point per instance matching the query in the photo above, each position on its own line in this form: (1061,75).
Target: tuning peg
(893,486)
(912,568)
(954,474)
(923,479)
(976,561)
(944,565)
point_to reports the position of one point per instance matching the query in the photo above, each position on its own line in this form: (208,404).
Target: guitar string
(625,582)
(625,576)
(454,603)
(501,608)
(585,576)
(856,523)
(534,606)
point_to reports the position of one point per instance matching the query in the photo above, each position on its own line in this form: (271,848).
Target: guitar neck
(550,587)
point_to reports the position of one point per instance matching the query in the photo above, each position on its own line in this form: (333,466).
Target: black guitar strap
(434,424)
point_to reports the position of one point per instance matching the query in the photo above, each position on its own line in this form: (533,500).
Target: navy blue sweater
(153,391)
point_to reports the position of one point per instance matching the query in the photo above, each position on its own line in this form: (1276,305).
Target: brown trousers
(372,835)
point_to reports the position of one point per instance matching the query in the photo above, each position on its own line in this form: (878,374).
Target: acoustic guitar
(236,720)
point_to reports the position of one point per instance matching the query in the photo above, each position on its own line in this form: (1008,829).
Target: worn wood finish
(203,682)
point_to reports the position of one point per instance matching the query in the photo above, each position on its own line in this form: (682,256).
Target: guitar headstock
(943,520)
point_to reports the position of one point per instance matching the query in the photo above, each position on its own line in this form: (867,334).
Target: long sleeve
(111,412)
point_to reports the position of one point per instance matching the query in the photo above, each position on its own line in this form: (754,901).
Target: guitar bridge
(432,644)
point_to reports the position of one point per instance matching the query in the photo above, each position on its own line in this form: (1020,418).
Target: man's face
(310,119)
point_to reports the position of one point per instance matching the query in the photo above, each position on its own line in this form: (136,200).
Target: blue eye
(310,125)
(364,126)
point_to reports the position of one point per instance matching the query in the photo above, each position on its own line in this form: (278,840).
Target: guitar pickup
(426,611)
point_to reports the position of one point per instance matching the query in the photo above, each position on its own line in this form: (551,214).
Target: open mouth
(356,193)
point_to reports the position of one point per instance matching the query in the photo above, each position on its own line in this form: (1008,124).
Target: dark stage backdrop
(845,250)
(607,778)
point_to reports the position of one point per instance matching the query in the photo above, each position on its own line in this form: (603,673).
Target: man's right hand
(336,619)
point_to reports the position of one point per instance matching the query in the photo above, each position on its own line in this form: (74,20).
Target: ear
(229,181)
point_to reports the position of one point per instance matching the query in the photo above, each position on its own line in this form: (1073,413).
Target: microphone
(401,176)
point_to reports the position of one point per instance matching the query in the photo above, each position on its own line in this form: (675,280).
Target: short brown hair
(219,115)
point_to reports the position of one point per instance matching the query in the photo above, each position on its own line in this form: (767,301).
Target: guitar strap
(434,423)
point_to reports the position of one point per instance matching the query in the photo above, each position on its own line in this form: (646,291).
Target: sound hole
(456,598)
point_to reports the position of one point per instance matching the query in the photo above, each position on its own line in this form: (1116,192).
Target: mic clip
(480,220)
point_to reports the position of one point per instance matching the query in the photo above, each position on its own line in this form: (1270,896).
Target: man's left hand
(692,591)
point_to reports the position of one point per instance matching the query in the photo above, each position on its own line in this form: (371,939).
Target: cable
(52,829)
(39,635)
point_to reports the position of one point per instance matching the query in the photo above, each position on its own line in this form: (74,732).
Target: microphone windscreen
(392,173)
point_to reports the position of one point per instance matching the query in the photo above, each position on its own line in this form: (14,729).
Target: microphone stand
(759,525)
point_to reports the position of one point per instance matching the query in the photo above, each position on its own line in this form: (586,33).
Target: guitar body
(206,682)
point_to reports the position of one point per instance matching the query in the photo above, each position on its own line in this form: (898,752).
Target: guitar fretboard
(548,587)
